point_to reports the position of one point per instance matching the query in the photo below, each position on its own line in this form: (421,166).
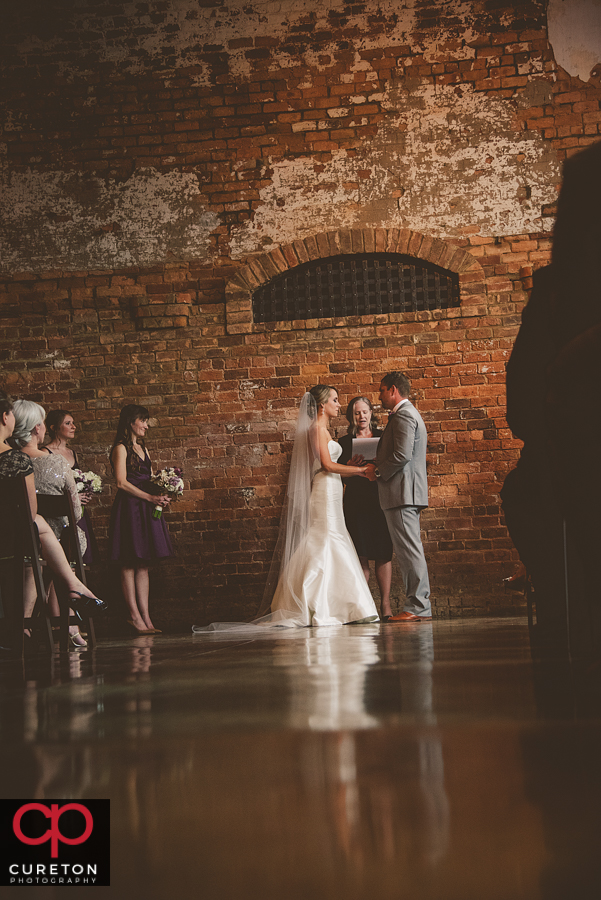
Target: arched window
(356,285)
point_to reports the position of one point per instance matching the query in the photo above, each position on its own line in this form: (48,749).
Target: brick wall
(159,166)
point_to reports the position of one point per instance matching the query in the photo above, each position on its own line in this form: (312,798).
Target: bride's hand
(369,472)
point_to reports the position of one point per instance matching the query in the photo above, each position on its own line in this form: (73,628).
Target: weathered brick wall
(160,164)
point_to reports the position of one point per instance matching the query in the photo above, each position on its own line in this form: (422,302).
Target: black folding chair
(23,554)
(54,506)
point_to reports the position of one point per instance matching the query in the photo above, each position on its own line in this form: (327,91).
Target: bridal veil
(294,526)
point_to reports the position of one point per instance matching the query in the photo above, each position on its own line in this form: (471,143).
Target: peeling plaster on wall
(186,29)
(445,159)
(183,30)
(575,35)
(54,220)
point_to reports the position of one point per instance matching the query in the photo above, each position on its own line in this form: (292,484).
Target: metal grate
(356,285)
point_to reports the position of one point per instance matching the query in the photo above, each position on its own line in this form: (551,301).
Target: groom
(400,471)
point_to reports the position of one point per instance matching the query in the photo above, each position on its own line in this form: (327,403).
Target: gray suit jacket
(401,460)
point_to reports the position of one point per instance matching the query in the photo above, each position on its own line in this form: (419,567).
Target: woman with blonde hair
(52,475)
(13,464)
(362,512)
(315,577)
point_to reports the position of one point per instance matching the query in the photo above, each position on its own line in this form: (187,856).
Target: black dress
(13,464)
(364,518)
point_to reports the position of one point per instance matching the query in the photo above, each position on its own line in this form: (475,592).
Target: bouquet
(169,481)
(87,483)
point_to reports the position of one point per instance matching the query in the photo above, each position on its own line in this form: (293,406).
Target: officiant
(364,518)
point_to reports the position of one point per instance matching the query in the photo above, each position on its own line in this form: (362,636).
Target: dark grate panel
(357,285)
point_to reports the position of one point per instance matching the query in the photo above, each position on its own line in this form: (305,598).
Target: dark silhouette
(552,499)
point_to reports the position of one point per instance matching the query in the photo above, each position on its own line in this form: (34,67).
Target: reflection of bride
(327,674)
(315,576)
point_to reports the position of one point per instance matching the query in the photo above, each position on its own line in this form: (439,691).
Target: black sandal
(84,603)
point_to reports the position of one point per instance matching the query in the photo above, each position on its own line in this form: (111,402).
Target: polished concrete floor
(430,761)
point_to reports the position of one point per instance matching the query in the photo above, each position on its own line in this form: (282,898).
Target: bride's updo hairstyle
(321,394)
(27,415)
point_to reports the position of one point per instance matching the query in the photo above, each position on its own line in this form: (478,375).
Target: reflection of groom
(403,491)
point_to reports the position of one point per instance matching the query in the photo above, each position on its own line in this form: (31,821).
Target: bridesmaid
(136,539)
(52,475)
(61,428)
(14,463)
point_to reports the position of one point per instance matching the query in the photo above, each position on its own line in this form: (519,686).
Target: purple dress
(135,538)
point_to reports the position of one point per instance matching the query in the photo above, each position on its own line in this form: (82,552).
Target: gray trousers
(403,525)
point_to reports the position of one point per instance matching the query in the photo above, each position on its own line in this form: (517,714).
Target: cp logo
(54,812)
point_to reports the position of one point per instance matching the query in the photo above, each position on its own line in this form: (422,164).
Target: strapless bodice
(334,449)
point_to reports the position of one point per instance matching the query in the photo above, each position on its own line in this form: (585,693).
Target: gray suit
(403,492)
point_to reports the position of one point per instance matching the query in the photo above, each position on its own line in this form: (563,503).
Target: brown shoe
(409,617)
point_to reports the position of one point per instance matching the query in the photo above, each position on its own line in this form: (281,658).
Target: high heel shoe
(84,603)
(144,631)
(77,641)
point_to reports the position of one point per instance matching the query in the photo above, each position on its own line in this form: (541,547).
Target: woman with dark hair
(136,538)
(364,518)
(60,429)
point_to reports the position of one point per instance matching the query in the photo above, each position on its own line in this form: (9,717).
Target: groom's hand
(370,472)
(356,460)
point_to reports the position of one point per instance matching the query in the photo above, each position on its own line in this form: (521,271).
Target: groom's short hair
(399,381)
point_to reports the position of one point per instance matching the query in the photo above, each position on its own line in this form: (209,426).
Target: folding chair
(53,506)
(14,503)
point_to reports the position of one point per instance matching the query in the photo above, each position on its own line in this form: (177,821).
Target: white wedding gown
(324,582)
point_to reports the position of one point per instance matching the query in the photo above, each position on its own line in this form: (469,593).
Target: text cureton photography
(55,842)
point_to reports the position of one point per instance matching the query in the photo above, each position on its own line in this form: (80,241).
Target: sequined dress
(85,523)
(52,474)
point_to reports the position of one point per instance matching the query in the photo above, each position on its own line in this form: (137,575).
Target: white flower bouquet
(87,483)
(167,481)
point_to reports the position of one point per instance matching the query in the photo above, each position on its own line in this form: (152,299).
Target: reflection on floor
(430,761)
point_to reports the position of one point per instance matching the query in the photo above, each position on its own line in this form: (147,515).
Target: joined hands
(369,469)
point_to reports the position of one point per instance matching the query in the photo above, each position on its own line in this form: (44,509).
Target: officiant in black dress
(365,520)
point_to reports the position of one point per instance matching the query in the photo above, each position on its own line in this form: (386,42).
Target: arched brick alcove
(261,269)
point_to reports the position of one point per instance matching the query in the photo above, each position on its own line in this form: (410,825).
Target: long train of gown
(323,583)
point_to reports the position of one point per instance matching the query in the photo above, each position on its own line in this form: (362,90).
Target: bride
(315,577)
